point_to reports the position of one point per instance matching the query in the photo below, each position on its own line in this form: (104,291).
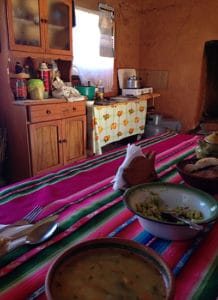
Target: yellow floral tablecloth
(110,123)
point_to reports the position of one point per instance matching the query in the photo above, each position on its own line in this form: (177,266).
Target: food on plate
(109,273)
(210,173)
(153,208)
(201,164)
(205,168)
(212,138)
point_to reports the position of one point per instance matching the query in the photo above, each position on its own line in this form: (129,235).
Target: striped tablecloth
(98,211)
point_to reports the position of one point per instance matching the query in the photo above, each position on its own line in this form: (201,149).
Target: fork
(26,219)
(33,214)
(173,216)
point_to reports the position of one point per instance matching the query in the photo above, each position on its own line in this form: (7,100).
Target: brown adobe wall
(175,42)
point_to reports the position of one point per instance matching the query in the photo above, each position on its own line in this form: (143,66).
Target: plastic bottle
(26,69)
(54,70)
(100,91)
(18,67)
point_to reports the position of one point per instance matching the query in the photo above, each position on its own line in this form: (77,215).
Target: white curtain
(87,62)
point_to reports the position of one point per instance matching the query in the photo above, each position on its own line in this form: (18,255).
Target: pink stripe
(176,148)
(130,234)
(175,251)
(108,227)
(171,142)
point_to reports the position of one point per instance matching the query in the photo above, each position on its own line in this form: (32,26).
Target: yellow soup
(107,274)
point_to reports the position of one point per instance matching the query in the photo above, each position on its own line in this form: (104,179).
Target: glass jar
(205,149)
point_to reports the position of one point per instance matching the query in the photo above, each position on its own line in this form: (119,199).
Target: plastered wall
(164,40)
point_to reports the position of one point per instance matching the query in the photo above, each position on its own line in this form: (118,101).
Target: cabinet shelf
(57,27)
(27,22)
(19,75)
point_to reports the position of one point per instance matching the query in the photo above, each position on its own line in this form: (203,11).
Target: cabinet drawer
(73,109)
(40,113)
(48,112)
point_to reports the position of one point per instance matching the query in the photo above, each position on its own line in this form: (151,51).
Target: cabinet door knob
(74,108)
(62,141)
(48,112)
(43,20)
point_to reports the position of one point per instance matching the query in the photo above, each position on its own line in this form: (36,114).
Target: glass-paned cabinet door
(59,25)
(24,19)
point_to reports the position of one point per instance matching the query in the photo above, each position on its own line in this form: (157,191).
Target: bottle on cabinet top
(44,73)
(100,91)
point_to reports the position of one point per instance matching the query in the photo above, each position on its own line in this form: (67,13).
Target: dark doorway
(211,95)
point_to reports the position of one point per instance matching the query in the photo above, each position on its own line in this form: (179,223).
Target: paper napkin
(132,151)
(7,237)
(11,231)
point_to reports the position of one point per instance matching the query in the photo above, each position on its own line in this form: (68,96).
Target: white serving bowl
(173,195)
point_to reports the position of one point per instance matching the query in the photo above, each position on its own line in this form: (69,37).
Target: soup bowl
(170,197)
(109,268)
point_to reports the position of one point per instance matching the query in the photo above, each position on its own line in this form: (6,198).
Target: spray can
(44,74)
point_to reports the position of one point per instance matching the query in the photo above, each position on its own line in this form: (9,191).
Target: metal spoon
(36,235)
(41,233)
(173,216)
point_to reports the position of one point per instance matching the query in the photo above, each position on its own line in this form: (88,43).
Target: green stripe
(208,288)
(174,161)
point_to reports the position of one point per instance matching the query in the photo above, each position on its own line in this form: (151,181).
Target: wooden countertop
(149,96)
(43,101)
(122,99)
(56,101)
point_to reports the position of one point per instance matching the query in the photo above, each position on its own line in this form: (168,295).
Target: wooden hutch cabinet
(42,134)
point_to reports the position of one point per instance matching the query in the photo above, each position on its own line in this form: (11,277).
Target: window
(87,62)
